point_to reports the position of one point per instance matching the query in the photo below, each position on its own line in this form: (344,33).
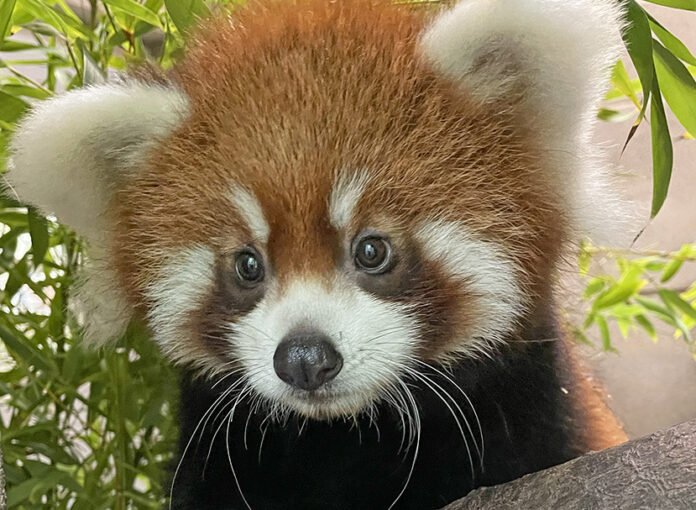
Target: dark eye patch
(230,300)
(240,281)
(393,280)
(440,304)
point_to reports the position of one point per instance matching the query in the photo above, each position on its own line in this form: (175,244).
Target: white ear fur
(69,154)
(555,53)
(551,59)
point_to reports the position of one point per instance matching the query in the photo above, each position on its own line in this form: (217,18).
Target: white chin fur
(375,338)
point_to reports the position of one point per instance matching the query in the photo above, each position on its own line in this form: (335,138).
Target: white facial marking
(182,286)
(345,195)
(488,272)
(374,337)
(250,209)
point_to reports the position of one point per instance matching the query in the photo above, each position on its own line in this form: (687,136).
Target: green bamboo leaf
(661,151)
(24,350)
(638,39)
(6,10)
(629,284)
(689,5)
(20,14)
(581,337)
(34,487)
(690,293)
(56,320)
(38,229)
(17,277)
(609,115)
(64,24)
(18,89)
(616,93)
(683,330)
(655,265)
(16,46)
(624,326)
(11,108)
(604,331)
(72,364)
(92,74)
(13,218)
(13,474)
(41,28)
(647,326)
(625,311)
(136,10)
(664,313)
(670,270)
(594,286)
(677,85)
(20,493)
(184,13)
(621,80)
(671,42)
(674,301)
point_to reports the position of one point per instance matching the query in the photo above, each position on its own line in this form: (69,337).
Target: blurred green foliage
(90,430)
(639,295)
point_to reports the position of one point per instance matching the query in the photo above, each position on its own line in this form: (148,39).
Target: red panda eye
(372,255)
(249,267)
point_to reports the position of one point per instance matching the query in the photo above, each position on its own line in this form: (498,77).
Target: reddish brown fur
(601,428)
(287,95)
(282,100)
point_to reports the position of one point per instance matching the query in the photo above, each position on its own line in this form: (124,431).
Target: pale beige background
(654,385)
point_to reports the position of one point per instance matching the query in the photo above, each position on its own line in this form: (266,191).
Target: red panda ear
(70,152)
(549,62)
(552,57)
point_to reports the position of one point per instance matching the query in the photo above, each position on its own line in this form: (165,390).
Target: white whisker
(242,394)
(416,418)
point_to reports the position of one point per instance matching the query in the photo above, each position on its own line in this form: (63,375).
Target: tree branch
(656,471)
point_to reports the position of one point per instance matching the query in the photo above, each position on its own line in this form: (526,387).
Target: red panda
(343,221)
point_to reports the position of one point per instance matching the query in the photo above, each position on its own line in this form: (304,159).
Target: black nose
(306,360)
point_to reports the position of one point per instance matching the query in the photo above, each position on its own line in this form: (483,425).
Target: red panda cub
(343,220)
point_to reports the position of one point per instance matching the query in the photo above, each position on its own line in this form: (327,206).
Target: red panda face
(331,202)
(333,212)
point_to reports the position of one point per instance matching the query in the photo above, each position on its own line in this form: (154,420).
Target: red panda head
(323,195)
